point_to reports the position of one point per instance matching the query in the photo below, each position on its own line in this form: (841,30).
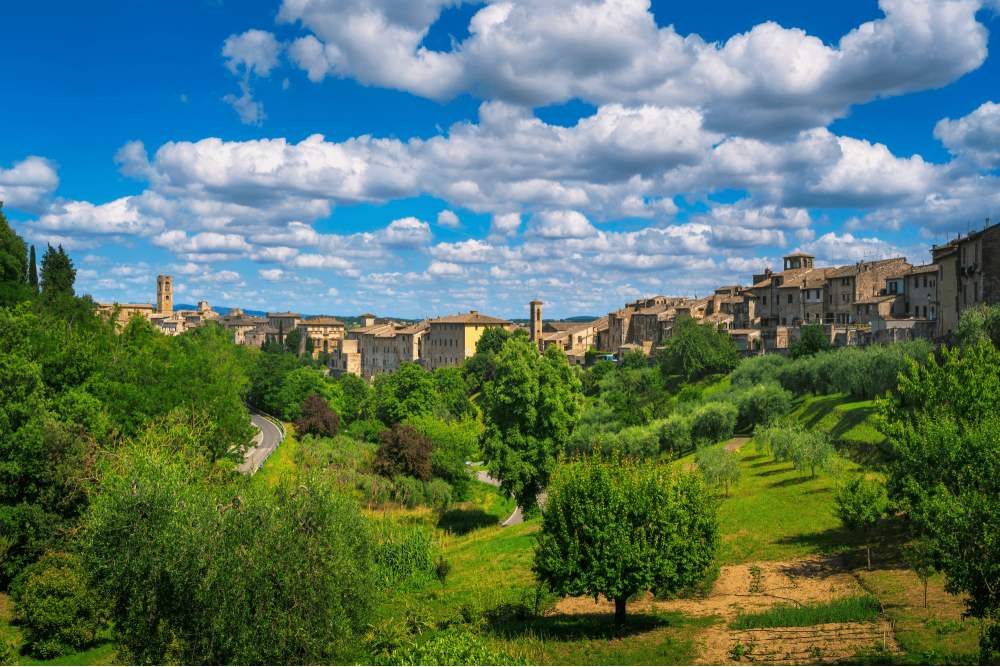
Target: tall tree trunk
(620,610)
(925,594)
(869,548)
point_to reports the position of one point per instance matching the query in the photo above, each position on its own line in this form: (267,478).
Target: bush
(763,404)
(318,418)
(456,648)
(367,430)
(675,434)
(635,359)
(758,370)
(638,441)
(689,394)
(402,555)
(714,422)
(403,452)
(60,613)
(718,466)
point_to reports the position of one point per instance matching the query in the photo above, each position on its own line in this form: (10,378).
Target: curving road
(516,517)
(267,438)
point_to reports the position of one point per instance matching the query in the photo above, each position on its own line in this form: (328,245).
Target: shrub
(758,370)
(862,503)
(402,554)
(764,404)
(675,434)
(714,421)
(59,611)
(638,441)
(367,430)
(718,466)
(318,418)
(635,359)
(456,648)
(689,393)
(403,452)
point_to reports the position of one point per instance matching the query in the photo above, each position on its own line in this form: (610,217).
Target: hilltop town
(878,301)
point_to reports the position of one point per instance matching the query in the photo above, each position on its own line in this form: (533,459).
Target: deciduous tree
(404,452)
(861,504)
(317,418)
(616,526)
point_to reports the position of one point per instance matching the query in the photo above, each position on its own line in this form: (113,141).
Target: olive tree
(718,466)
(616,526)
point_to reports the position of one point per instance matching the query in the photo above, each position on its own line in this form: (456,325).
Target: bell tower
(535,315)
(164,294)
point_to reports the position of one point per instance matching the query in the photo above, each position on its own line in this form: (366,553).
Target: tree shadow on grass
(769,473)
(827,541)
(462,521)
(792,481)
(598,625)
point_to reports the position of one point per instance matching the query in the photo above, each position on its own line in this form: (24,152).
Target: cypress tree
(58,274)
(281,334)
(33,271)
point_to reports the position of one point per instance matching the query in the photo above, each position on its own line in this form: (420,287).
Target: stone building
(164,294)
(535,323)
(572,337)
(324,333)
(969,274)
(915,292)
(375,347)
(241,326)
(283,321)
(345,358)
(451,339)
(854,282)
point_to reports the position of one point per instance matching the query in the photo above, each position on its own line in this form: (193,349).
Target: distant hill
(224,310)
(580,318)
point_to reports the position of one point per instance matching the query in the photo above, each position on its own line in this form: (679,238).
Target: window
(975,292)
(925,281)
(790,298)
(831,298)
(764,300)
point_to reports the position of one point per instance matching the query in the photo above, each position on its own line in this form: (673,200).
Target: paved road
(266,440)
(516,517)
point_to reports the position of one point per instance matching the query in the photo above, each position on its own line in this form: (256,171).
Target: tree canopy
(695,349)
(813,340)
(532,405)
(617,526)
(58,274)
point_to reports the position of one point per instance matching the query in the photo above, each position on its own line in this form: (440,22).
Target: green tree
(58,610)
(617,526)
(811,449)
(718,466)
(58,274)
(281,334)
(408,391)
(590,355)
(354,392)
(318,418)
(695,349)
(861,504)
(635,359)
(919,555)
(32,271)
(310,346)
(945,472)
(492,341)
(531,407)
(812,341)
(979,325)
(453,391)
(205,568)
(13,254)
(292,340)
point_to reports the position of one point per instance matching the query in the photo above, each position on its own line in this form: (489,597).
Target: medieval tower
(164,294)
(535,315)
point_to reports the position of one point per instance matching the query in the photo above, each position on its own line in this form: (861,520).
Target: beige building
(283,321)
(345,358)
(324,333)
(969,274)
(452,339)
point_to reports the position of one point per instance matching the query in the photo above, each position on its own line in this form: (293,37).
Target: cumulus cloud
(448,218)
(204,247)
(504,225)
(976,136)
(27,183)
(770,79)
(562,225)
(254,52)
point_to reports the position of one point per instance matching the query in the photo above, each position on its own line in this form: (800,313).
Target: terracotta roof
(127,305)
(561,326)
(366,315)
(855,269)
(415,328)
(799,254)
(296,315)
(654,310)
(878,299)
(469,318)
(926,268)
(373,329)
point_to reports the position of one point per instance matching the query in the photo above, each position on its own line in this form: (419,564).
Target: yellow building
(451,339)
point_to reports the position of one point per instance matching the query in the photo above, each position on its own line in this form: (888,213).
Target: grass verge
(857,609)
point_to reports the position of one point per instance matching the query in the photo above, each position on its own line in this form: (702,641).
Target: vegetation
(695,349)
(718,466)
(404,452)
(531,406)
(813,339)
(318,418)
(858,609)
(861,504)
(616,526)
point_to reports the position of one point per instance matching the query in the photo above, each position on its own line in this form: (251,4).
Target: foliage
(637,441)
(601,370)
(13,254)
(757,404)
(201,570)
(410,391)
(919,556)
(458,647)
(718,466)
(492,341)
(402,554)
(635,359)
(279,385)
(531,407)
(813,340)
(442,569)
(811,449)
(58,610)
(453,391)
(861,504)
(597,419)
(318,418)
(714,421)
(403,452)
(675,434)
(617,526)
(695,349)
(58,274)
(857,609)
(455,441)
(353,394)
(590,355)
(945,473)
(979,325)
(292,340)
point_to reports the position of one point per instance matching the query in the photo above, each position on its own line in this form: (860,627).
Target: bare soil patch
(746,588)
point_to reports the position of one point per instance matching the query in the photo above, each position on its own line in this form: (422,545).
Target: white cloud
(276,275)
(332,292)
(448,218)
(119,217)
(504,225)
(562,225)
(770,79)
(204,247)
(27,183)
(976,135)
(254,51)
(249,111)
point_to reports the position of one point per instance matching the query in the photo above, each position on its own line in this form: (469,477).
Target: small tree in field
(317,418)
(919,555)
(860,504)
(616,526)
(810,449)
(718,466)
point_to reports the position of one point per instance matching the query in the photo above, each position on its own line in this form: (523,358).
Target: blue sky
(422,157)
